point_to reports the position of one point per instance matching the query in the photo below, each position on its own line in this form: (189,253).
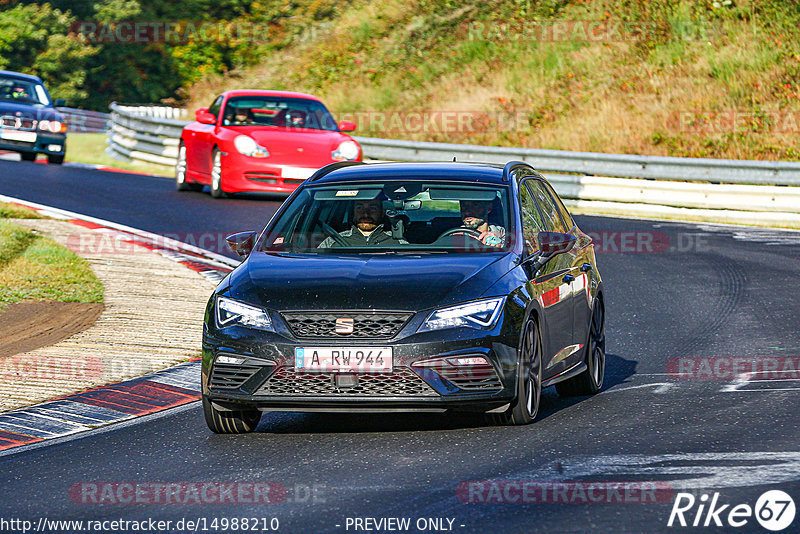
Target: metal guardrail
(593,163)
(742,191)
(80,120)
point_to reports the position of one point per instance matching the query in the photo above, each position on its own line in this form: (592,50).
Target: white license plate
(343,359)
(297,173)
(14,135)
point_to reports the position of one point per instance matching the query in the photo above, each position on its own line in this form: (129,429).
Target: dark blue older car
(29,122)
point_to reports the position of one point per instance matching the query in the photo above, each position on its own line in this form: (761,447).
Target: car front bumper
(44,143)
(267,378)
(242,173)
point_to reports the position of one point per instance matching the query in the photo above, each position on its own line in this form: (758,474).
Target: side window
(531,218)
(562,210)
(549,211)
(215,107)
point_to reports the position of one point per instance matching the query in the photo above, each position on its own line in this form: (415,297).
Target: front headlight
(348,150)
(53,126)
(478,314)
(232,312)
(247,145)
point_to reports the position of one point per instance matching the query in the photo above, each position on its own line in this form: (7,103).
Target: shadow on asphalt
(618,370)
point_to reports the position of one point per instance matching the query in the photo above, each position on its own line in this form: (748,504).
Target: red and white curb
(101,406)
(155,392)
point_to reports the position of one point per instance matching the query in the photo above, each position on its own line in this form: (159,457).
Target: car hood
(292,142)
(28,111)
(330,282)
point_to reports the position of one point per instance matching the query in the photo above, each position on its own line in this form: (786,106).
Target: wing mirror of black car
(551,244)
(60,103)
(242,243)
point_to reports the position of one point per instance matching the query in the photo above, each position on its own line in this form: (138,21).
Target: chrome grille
(403,382)
(229,376)
(17,123)
(365,325)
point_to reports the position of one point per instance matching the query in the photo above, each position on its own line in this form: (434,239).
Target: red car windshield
(279,112)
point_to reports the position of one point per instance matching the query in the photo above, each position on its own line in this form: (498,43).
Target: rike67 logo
(774,510)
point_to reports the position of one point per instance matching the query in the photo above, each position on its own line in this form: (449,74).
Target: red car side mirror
(204,117)
(347,126)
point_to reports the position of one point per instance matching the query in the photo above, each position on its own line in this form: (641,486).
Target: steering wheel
(330,232)
(459,230)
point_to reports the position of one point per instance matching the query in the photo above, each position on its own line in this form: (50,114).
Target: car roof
(259,92)
(20,76)
(488,173)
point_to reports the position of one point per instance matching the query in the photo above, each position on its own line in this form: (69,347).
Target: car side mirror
(242,243)
(204,117)
(347,126)
(60,103)
(550,244)
(553,243)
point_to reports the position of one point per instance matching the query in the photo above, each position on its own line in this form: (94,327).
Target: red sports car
(269,141)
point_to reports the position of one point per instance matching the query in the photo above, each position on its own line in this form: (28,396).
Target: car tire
(216,175)
(590,381)
(180,173)
(239,422)
(55,159)
(28,156)
(525,407)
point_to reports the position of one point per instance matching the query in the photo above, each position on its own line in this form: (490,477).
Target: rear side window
(549,211)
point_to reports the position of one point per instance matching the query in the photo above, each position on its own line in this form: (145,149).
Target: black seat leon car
(422,287)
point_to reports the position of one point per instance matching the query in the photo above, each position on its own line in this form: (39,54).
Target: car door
(555,286)
(205,139)
(582,268)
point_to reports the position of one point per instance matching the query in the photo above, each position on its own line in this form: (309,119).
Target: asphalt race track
(686,305)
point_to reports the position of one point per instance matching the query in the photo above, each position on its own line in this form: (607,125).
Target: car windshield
(22,91)
(393,217)
(278,112)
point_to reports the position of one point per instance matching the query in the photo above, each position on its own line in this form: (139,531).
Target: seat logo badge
(344,325)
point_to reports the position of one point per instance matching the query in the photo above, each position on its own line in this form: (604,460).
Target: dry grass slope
(664,77)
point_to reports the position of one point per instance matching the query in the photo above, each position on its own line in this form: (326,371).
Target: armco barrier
(82,121)
(747,192)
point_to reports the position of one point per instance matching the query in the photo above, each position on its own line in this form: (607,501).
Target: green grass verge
(11,211)
(91,148)
(34,267)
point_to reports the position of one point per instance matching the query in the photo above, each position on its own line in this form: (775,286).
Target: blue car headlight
(232,312)
(482,314)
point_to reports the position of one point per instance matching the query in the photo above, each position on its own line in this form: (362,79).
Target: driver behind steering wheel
(368,227)
(475,216)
